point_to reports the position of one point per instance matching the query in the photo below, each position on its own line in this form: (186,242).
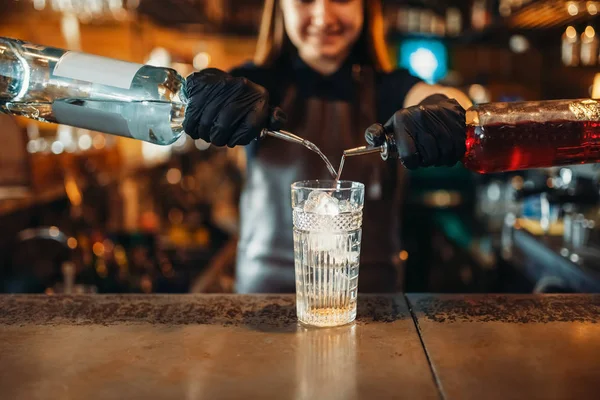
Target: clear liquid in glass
(326,276)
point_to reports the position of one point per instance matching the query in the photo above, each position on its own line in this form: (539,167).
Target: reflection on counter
(326,360)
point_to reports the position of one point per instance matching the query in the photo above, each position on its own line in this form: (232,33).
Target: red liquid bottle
(514,136)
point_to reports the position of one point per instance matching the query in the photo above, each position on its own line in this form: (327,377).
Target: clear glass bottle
(97,93)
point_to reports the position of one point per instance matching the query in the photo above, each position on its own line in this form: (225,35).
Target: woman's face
(323,31)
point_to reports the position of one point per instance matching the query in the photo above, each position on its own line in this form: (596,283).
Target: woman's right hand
(431,133)
(225,110)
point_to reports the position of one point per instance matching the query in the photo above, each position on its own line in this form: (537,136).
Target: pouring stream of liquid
(341,167)
(290,137)
(330,167)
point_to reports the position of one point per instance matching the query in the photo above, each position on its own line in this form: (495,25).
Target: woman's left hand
(225,110)
(431,133)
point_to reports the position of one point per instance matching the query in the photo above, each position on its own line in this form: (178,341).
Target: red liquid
(501,147)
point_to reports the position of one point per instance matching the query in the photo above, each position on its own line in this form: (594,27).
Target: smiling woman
(323,37)
(322,29)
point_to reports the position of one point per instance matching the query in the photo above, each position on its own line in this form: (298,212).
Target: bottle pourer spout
(359,151)
(276,121)
(284,135)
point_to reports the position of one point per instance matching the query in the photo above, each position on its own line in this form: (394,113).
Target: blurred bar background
(85,212)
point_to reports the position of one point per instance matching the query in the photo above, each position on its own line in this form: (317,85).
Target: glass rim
(327,184)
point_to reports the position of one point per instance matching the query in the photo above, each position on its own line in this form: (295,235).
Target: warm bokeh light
(589,31)
(84,142)
(572,9)
(99,142)
(54,231)
(173,176)
(57,147)
(72,243)
(517,182)
(201,60)
(98,249)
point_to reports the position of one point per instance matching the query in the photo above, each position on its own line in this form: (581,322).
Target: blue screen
(425,58)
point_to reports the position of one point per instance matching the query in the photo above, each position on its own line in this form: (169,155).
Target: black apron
(333,113)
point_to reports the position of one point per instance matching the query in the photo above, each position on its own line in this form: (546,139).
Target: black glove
(431,133)
(225,110)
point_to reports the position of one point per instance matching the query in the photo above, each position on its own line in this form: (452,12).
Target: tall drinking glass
(327,234)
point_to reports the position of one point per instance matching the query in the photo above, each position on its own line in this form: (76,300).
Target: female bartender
(325,63)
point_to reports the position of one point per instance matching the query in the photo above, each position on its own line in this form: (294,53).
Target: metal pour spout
(359,151)
(284,135)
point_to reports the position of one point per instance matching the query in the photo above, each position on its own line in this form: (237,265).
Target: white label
(96,69)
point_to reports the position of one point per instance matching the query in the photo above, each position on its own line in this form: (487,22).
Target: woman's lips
(327,38)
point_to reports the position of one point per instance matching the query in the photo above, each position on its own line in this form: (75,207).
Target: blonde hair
(273,41)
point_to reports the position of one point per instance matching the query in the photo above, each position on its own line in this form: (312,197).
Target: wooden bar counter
(250,346)
(205,347)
